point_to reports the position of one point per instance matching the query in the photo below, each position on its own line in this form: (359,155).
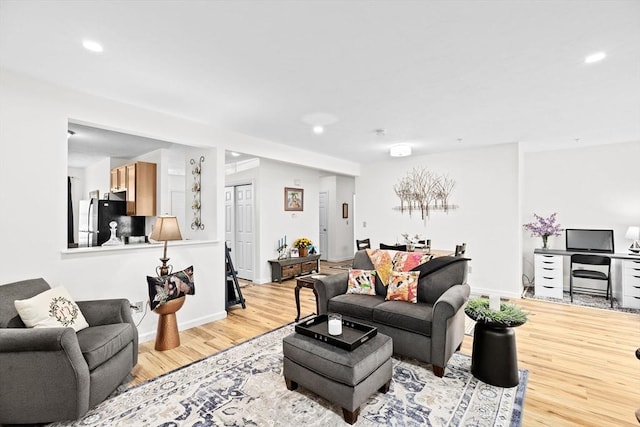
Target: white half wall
(33,149)
(487,219)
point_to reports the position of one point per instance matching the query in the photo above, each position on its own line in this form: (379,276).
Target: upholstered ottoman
(346,378)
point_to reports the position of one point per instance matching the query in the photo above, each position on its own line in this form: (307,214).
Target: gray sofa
(430,330)
(54,374)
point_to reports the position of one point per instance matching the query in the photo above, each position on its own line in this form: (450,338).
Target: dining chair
(394,247)
(461,249)
(363,244)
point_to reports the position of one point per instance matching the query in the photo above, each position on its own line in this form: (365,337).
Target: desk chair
(590,274)
(363,244)
(394,247)
(461,249)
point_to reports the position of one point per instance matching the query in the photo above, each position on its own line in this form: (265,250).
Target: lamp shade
(165,229)
(633,233)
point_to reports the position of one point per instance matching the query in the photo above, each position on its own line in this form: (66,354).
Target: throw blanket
(385,261)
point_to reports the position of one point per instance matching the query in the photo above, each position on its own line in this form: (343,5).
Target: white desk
(550,275)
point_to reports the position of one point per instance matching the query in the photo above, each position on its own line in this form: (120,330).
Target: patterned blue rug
(243,386)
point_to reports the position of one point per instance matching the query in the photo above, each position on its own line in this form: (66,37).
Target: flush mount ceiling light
(400,150)
(92,46)
(595,57)
(318,121)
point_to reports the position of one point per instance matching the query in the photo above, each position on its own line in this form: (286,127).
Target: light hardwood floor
(581,361)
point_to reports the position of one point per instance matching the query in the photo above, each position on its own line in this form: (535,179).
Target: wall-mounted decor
(424,191)
(293,199)
(345,210)
(196,188)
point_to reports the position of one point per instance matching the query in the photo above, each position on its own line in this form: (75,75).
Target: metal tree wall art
(424,191)
(196,171)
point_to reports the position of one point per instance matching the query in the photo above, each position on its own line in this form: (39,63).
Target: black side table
(495,359)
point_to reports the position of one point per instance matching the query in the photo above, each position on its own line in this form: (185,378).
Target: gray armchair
(54,374)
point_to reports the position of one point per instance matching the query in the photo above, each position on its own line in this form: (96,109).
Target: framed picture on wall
(293,199)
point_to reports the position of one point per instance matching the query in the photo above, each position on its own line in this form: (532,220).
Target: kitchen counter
(69,252)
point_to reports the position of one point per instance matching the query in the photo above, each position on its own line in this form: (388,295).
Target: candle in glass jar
(494,302)
(335,324)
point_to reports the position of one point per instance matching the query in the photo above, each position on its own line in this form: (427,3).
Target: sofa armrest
(15,340)
(106,311)
(109,311)
(43,374)
(447,327)
(328,287)
(451,301)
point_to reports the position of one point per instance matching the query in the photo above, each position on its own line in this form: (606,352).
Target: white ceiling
(429,72)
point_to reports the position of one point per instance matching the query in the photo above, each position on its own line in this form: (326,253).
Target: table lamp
(165,229)
(633,233)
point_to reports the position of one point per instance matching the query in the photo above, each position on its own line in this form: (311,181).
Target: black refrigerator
(99,214)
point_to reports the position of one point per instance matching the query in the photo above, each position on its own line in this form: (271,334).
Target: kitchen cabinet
(118,179)
(139,181)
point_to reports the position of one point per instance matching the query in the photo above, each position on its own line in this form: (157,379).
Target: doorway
(324,227)
(239,228)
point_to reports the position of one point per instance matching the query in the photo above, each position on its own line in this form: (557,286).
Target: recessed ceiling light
(400,150)
(92,46)
(318,129)
(234,154)
(595,57)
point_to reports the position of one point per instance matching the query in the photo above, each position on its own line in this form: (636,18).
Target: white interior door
(244,231)
(324,227)
(229,221)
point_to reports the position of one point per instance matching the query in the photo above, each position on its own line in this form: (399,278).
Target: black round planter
(495,359)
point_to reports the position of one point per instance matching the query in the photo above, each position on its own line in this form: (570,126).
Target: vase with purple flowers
(544,227)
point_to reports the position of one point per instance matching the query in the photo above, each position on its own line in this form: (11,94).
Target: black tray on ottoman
(353,334)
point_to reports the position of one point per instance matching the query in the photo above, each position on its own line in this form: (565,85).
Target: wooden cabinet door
(145,189)
(131,188)
(114,180)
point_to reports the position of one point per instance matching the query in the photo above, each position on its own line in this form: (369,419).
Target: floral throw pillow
(171,286)
(403,286)
(53,308)
(362,282)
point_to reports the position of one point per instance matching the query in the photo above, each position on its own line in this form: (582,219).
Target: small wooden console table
(291,267)
(309,283)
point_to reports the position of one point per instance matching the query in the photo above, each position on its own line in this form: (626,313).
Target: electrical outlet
(137,307)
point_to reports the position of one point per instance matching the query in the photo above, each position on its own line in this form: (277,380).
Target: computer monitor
(582,240)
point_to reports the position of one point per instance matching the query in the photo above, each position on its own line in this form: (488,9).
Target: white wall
(588,187)
(487,219)
(34,236)
(273,221)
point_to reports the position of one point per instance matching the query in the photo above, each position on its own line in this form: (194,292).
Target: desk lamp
(633,233)
(165,229)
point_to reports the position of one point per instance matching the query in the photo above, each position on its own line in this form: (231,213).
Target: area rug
(243,386)
(585,300)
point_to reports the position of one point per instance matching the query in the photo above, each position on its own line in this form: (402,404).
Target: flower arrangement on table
(302,243)
(509,315)
(544,227)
